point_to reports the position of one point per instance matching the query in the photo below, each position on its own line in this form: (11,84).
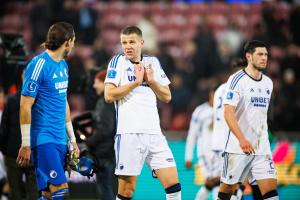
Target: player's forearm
(68,112)
(113,93)
(163,93)
(25,119)
(25,110)
(232,123)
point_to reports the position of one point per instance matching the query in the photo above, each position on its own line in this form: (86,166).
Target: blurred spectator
(4,188)
(181,97)
(149,35)
(40,21)
(87,18)
(294,23)
(101,141)
(165,59)
(100,55)
(206,60)
(68,13)
(289,91)
(275,24)
(10,142)
(2,101)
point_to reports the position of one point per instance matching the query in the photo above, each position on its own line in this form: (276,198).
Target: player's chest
(57,80)
(257,95)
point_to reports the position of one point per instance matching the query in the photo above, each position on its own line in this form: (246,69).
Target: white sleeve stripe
(35,67)
(39,70)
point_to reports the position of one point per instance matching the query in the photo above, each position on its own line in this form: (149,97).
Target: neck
(254,73)
(56,55)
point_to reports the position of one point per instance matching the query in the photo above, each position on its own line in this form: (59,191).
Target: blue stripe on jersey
(235,78)
(237,81)
(37,69)
(115,61)
(112,61)
(227,139)
(118,138)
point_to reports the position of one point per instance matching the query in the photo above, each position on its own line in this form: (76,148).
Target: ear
(68,42)
(248,56)
(142,42)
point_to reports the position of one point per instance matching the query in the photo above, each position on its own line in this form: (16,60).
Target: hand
(76,149)
(188,164)
(148,75)
(246,146)
(23,159)
(139,73)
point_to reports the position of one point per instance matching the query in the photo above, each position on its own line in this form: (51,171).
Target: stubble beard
(65,54)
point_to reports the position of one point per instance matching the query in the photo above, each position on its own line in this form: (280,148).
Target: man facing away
(45,113)
(133,82)
(247,150)
(200,132)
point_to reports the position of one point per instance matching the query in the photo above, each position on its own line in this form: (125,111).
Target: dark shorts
(49,162)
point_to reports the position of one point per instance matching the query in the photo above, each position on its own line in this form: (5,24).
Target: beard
(66,53)
(258,68)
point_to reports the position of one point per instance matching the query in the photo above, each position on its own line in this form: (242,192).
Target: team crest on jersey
(111,74)
(121,166)
(229,95)
(267,91)
(31,86)
(53,174)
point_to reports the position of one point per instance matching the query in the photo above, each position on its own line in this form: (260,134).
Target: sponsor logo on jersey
(131,78)
(61,86)
(251,90)
(170,159)
(229,95)
(31,86)
(112,74)
(163,75)
(260,101)
(54,76)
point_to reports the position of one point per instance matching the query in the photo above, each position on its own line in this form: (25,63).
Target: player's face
(69,46)
(259,58)
(132,46)
(98,86)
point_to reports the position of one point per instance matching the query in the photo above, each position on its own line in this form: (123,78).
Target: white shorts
(210,165)
(133,149)
(237,167)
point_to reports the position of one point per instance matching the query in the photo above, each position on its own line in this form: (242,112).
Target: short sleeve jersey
(137,111)
(200,131)
(220,128)
(251,99)
(47,81)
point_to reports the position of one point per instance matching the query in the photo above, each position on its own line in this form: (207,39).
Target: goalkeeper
(45,114)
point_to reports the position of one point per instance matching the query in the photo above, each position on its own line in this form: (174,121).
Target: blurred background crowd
(195,43)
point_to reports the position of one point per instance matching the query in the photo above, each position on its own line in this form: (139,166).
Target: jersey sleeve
(159,74)
(114,71)
(193,134)
(232,93)
(33,77)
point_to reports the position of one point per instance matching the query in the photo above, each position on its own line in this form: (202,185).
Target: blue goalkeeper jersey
(47,81)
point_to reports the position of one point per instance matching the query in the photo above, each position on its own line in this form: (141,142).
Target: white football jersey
(251,98)
(200,131)
(137,111)
(220,128)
